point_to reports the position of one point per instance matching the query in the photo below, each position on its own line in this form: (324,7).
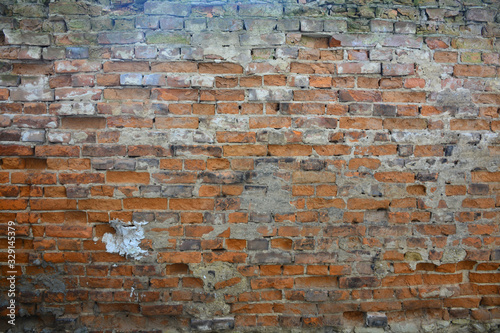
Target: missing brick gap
(126,240)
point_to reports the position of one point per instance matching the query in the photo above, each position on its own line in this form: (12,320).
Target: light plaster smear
(126,240)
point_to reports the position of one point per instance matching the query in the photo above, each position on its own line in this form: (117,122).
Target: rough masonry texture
(306,165)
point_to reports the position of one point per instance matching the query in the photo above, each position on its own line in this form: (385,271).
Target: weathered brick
(359,68)
(107,38)
(13,37)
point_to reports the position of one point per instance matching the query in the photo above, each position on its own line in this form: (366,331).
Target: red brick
(332,150)
(127,177)
(163,94)
(474,71)
(62,151)
(52,204)
(318,203)
(222,95)
(126,66)
(83,122)
(469,125)
(127,93)
(44,178)
(191,204)
(438,279)
(129,121)
(104,150)
(81,178)
(66,231)
(13,204)
(445,56)
(174,67)
(359,96)
(273,122)
(16,150)
(485,176)
(315,95)
(108,80)
(145,203)
(179,257)
(231,257)
(220,68)
(360,123)
(354,203)
(245,150)
(312,68)
(370,163)
(26,68)
(482,203)
(316,282)
(176,122)
(148,150)
(378,150)
(289,150)
(161,310)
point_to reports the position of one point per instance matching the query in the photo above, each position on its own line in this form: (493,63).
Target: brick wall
(299,164)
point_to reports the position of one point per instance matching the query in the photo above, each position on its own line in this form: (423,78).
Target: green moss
(101,23)
(358,25)
(413,256)
(472,57)
(263,54)
(386,13)
(124,24)
(168,38)
(78,24)
(304,11)
(366,12)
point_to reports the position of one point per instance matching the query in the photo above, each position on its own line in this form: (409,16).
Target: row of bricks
(383,117)
(95,114)
(293,266)
(307,282)
(228,177)
(234,150)
(318,297)
(480,227)
(200,204)
(321,64)
(300,81)
(274,295)
(470,244)
(290,243)
(190,166)
(249,39)
(400,231)
(476,11)
(240,23)
(441,52)
(278,275)
(293,318)
(218,190)
(236,95)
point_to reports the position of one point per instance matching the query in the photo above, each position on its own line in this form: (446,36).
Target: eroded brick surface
(302,165)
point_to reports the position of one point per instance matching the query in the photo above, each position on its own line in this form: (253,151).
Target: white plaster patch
(126,240)
(202,81)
